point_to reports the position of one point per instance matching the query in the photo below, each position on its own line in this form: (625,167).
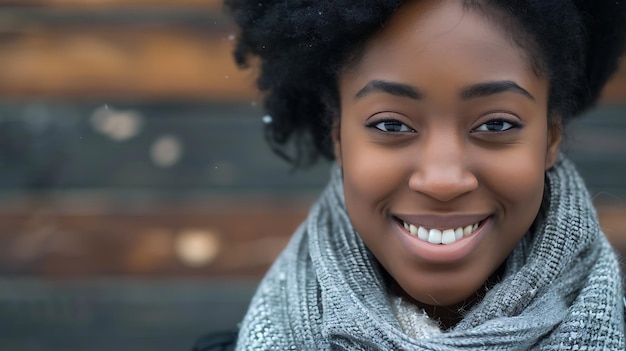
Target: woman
(450,221)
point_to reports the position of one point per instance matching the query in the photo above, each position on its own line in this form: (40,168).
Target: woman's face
(443,136)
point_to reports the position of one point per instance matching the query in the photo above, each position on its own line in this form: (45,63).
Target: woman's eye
(495,126)
(392,126)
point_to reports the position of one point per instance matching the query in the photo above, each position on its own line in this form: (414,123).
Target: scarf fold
(561,289)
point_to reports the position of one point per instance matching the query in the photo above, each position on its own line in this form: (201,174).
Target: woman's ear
(555,134)
(336,136)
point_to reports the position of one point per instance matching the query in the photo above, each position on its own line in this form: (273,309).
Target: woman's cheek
(516,179)
(371,172)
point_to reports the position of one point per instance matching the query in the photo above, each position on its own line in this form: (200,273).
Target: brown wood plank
(230,242)
(112,3)
(164,63)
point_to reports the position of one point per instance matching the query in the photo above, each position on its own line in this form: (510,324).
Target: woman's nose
(441,171)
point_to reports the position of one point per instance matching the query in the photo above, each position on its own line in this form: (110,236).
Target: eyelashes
(391,126)
(496,124)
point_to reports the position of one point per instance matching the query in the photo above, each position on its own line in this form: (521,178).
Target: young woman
(450,220)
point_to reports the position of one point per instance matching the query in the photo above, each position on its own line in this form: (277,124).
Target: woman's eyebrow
(393,88)
(491,88)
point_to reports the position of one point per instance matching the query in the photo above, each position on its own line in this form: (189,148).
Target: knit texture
(561,289)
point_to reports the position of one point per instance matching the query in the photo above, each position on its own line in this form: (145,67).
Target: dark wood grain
(118,63)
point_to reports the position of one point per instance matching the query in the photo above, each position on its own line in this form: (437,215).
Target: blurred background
(139,204)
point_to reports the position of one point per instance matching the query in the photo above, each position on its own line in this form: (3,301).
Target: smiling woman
(451,220)
(469,146)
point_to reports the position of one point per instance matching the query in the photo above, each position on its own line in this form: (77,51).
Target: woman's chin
(446,299)
(455,292)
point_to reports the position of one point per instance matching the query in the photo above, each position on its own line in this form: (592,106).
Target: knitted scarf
(561,289)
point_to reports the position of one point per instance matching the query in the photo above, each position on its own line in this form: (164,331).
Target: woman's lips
(442,239)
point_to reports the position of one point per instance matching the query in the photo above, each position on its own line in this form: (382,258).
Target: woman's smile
(446,239)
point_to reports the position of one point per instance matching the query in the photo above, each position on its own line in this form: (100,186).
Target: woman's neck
(448,316)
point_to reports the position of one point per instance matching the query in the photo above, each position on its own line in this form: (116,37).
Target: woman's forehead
(434,39)
(452,25)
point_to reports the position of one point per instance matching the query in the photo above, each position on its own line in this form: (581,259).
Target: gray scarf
(561,289)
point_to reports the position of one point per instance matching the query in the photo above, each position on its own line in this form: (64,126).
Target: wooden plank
(163,63)
(230,241)
(111,3)
(121,314)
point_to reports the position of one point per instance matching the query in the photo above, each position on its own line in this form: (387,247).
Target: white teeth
(436,236)
(422,233)
(448,236)
(458,233)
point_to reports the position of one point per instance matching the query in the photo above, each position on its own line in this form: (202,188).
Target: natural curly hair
(303,45)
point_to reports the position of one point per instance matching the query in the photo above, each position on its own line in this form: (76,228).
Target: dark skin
(443,128)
